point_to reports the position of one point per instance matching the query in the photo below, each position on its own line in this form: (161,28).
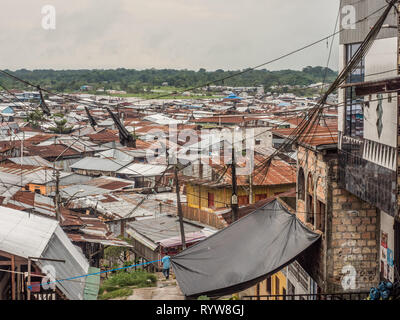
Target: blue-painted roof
(233,96)
(8,110)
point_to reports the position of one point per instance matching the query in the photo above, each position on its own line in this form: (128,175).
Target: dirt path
(165,290)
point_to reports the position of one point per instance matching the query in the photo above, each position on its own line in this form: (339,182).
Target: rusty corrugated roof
(316,136)
(51,151)
(279,172)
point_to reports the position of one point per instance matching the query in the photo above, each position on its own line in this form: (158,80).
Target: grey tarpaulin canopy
(242,254)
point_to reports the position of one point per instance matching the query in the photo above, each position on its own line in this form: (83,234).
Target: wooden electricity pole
(234,200)
(251,188)
(251,180)
(13,291)
(180,213)
(57,196)
(29,278)
(22,155)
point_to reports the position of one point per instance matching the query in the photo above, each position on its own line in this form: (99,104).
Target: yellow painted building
(37,188)
(274,285)
(214,194)
(213,198)
(40,188)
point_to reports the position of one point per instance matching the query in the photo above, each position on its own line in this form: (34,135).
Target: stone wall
(346,258)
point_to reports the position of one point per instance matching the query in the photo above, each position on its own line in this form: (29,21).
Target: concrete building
(369,129)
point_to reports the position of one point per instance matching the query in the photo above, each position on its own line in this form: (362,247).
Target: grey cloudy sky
(182,34)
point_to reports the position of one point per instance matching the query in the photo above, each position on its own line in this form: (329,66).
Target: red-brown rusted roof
(104,136)
(226,119)
(148,128)
(26,197)
(314,136)
(39,138)
(278,172)
(51,151)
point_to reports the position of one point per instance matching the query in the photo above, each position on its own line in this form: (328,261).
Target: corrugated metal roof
(279,172)
(116,154)
(104,136)
(160,228)
(81,146)
(39,138)
(313,136)
(31,174)
(24,234)
(110,183)
(12,179)
(32,161)
(81,190)
(99,164)
(190,237)
(60,247)
(162,119)
(121,205)
(52,151)
(144,170)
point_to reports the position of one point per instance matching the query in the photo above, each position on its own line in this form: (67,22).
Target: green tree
(61,127)
(36,118)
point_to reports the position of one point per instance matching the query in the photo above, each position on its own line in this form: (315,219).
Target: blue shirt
(166,262)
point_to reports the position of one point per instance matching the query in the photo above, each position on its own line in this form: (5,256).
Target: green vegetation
(61,127)
(142,82)
(114,252)
(134,278)
(124,292)
(122,281)
(35,118)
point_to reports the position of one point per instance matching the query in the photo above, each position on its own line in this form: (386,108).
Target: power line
(327,64)
(315,113)
(209,82)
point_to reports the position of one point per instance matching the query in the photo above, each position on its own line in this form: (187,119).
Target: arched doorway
(310,199)
(301,188)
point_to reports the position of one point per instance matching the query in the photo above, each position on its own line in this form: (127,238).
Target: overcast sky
(181,34)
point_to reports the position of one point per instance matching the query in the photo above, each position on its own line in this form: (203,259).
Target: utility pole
(22,155)
(180,213)
(13,297)
(234,200)
(29,278)
(251,180)
(57,196)
(251,188)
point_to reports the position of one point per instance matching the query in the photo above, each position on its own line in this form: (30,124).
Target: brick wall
(349,245)
(353,240)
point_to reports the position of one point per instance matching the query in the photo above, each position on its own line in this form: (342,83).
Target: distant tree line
(135,81)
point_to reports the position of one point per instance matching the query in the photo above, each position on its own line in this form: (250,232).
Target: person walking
(166,261)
